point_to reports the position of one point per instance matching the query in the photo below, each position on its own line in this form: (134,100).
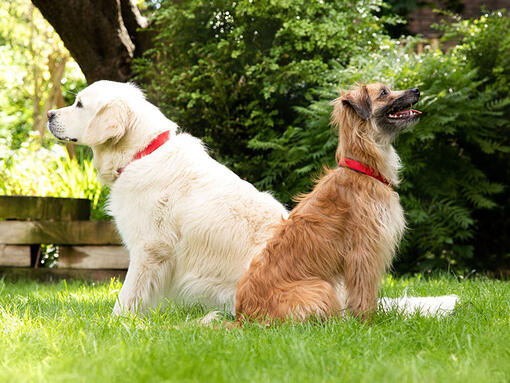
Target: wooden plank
(44,208)
(12,255)
(59,233)
(44,274)
(93,257)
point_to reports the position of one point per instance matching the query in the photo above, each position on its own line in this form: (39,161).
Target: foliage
(32,170)
(37,74)
(231,71)
(65,332)
(447,157)
(486,43)
(34,65)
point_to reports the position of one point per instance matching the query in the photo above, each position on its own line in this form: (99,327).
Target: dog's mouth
(403,113)
(400,114)
(56,133)
(68,139)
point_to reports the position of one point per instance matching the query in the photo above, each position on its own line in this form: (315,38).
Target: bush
(486,43)
(449,157)
(233,71)
(254,80)
(50,173)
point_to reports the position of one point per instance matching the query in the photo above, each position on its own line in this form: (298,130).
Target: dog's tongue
(407,112)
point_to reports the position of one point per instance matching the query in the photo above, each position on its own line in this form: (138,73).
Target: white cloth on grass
(426,306)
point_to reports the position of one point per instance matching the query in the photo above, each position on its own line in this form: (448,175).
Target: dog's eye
(79,104)
(384,92)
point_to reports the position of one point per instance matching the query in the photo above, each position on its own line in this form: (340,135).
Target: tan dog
(332,251)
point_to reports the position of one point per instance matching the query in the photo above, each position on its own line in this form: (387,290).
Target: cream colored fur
(191,225)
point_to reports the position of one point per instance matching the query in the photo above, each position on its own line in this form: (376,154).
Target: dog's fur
(191,225)
(338,241)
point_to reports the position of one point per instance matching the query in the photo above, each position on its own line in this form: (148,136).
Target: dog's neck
(387,164)
(381,157)
(147,123)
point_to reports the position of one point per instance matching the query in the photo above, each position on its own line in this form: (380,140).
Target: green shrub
(231,71)
(447,174)
(254,79)
(486,45)
(36,171)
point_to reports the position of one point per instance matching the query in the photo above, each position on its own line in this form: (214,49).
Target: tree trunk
(56,67)
(36,97)
(103,36)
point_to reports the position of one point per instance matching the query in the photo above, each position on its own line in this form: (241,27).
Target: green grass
(64,333)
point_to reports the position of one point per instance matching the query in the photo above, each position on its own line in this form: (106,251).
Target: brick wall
(422,18)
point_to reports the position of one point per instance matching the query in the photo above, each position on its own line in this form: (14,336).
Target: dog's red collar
(359,167)
(154,144)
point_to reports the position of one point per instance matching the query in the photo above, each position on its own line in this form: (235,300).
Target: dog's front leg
(363,273)
(150,270)
(128,300)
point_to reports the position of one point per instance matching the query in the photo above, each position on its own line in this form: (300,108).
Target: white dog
(190,224)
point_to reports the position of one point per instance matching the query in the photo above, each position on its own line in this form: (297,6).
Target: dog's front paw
(117,309)
(210,318)
(131,307)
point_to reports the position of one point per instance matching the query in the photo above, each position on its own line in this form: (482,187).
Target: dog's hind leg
(306,299)
(150,269)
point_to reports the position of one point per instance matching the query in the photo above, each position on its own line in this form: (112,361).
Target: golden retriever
(190,224)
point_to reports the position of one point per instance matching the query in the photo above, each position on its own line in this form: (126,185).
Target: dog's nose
(416,91)
(51,114)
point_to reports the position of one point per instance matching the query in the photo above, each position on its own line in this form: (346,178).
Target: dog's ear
(109,123)
(360,101)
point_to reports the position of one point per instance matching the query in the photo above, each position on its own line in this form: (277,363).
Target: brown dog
(332,251)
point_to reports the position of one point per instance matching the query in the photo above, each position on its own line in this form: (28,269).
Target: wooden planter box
(86,248)
(44,208)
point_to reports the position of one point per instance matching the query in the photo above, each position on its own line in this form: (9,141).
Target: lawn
(64,332)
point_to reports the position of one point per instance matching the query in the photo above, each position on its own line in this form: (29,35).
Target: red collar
(361,168)
(154,144)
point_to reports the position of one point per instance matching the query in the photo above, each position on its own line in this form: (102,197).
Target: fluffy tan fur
(332,251)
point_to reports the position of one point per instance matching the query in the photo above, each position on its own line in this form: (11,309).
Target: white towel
(427,306)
